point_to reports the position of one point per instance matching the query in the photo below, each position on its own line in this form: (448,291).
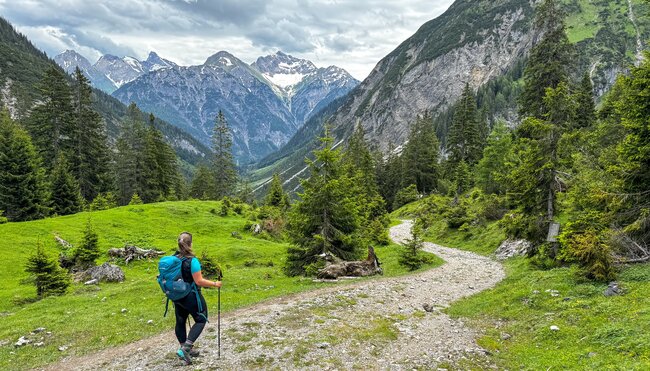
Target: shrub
(411,255)
(88,251)
(457,215)
(49,278)
(103,201)
(225,209)
(3,219)
(210,269)
(135,200)
(377,233)
(586,242)
(405,196)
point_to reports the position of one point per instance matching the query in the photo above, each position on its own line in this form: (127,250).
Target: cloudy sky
(353,34)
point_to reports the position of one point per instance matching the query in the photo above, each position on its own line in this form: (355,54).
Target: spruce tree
(389,176)
(411,255)
(359,165)
(491,168)
(420,156)
(160,166)
(325,219)
(585,106)
(51,125)
(88,252)
(464,139)
(549,61)
(66,196)
(23,191)
(49,278)
(91,157)
(203,184)
(276,196)
(131,169)
(223,165)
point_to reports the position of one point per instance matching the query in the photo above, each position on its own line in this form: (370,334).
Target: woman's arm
(200,281)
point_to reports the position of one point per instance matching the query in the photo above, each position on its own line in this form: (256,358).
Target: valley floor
(378,324)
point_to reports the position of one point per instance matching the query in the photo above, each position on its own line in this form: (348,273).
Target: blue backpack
(170,279)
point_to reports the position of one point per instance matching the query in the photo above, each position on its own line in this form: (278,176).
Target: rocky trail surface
(373,324)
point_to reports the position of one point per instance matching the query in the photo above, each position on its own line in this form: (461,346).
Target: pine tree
(90,158)
(325,220)
(88,252)
(276,196)
(389,176)
(420,156)
(223,165)
(203,184)
(23,191)
(131,174)
(549,60)
(464,140)
(411,255)
(49,278)
(491,168)
(50,124)
(160,166)
(66,196)
(585,107)
(359,165)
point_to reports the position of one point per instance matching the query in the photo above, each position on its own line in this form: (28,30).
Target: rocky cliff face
(265,103)
(69,60)
(428,71)
(471,43)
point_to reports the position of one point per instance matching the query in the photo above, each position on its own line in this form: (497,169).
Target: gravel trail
(371,325)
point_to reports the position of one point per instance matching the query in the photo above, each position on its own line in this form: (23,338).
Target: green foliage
(276,196)
(66,195)
(209,267)
(23,192)
(202,186)
(420,156)
(48,277)
(88,251)
(326,218)
(489,171)
(103,201)
(3,219)
(464,142)
(135,200)
(549,62)
(50,124)
(90,159)
(586,241)
(223,168)
(405,196)
(411,255)
(457,215)
(377,233)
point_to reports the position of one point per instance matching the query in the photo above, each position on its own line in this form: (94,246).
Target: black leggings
(183,308)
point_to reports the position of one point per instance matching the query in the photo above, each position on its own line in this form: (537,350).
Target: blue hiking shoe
(184,354)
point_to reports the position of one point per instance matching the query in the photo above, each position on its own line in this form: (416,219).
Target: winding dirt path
(378,324)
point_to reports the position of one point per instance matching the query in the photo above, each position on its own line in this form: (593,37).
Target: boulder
(106,272)
(510,248)
(613,289)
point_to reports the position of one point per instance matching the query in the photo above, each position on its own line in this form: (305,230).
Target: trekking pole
(220,277)
(219,322)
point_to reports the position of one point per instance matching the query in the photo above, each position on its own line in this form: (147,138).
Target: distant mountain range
(111,72)
(265,103)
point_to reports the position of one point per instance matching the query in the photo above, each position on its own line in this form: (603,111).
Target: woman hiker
(189,305)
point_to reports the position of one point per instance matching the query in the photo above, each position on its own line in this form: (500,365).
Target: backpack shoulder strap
(186,269)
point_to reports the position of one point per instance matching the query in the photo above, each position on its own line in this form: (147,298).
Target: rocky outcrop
(512,248)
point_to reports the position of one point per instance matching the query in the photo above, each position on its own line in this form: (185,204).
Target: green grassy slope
(90,318)
(514,318)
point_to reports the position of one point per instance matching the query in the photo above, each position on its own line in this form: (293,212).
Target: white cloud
(351,34)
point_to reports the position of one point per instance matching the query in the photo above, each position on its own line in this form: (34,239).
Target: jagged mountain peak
(283,64)
(222,59)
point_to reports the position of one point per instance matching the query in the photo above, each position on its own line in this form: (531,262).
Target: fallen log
(130,252)
(65,244)
(359,268)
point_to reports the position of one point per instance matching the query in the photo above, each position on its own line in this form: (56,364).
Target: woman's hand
(217,284)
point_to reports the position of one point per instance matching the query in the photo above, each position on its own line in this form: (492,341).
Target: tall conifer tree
(223,164)
(90,158)
(23,191)
(66,196)
(50,123)
(325,220)
(420,156)
(464,140)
